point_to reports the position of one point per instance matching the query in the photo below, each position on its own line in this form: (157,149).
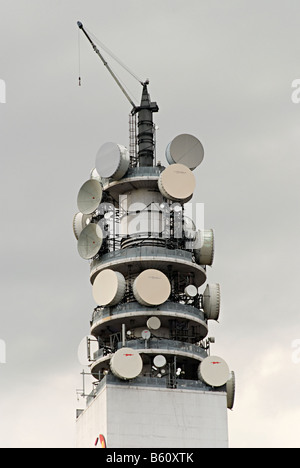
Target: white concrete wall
(92,422)
(145,417)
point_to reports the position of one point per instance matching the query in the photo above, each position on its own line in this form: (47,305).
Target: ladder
(133,141)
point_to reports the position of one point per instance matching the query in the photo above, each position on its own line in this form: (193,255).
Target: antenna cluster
(148,262)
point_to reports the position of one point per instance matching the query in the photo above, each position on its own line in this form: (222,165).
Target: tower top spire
(146,127)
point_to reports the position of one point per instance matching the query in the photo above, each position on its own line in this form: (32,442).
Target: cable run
(113,56)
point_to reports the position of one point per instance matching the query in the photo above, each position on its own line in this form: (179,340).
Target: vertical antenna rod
(146,128)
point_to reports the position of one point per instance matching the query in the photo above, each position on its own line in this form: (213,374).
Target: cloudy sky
(220,70)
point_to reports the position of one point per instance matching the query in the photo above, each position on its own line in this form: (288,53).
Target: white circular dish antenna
(153,323)
(204,247)
(159,361)
(80,221)
(90,241)
(214,371)
(109,288)
(191,290)
(177,183)
(230,389)
(112,161)
(89,196)
(126,364)
(162,332)
(146,334)
(86,349)
(185,149)
(151,288)
(77,224)
(94,175)
(212,301)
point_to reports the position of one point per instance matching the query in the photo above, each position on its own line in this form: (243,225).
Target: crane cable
(112,55)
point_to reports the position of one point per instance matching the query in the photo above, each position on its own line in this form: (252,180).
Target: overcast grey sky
(220,70)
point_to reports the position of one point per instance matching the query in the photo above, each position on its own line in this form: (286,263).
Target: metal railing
(156,343)
(181,384)
(100,313)
(142,251)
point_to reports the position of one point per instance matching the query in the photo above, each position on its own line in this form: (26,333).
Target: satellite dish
(214,371)
(211,301)
(151,288)
(86,349)
(159,361)
(126,364)
(112,161)
(230,388)
(146,335)
(191,290)
(89,196)
(80,221)
(162,332)
(185,149)
(177,183)
(90,241)
(77,224)
(204,247)
(94,175)
(153,323)
(109,288)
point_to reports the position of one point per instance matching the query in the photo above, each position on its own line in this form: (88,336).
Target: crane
(145,110)
(80,25)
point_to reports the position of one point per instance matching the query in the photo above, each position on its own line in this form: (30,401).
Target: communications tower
(156,382)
